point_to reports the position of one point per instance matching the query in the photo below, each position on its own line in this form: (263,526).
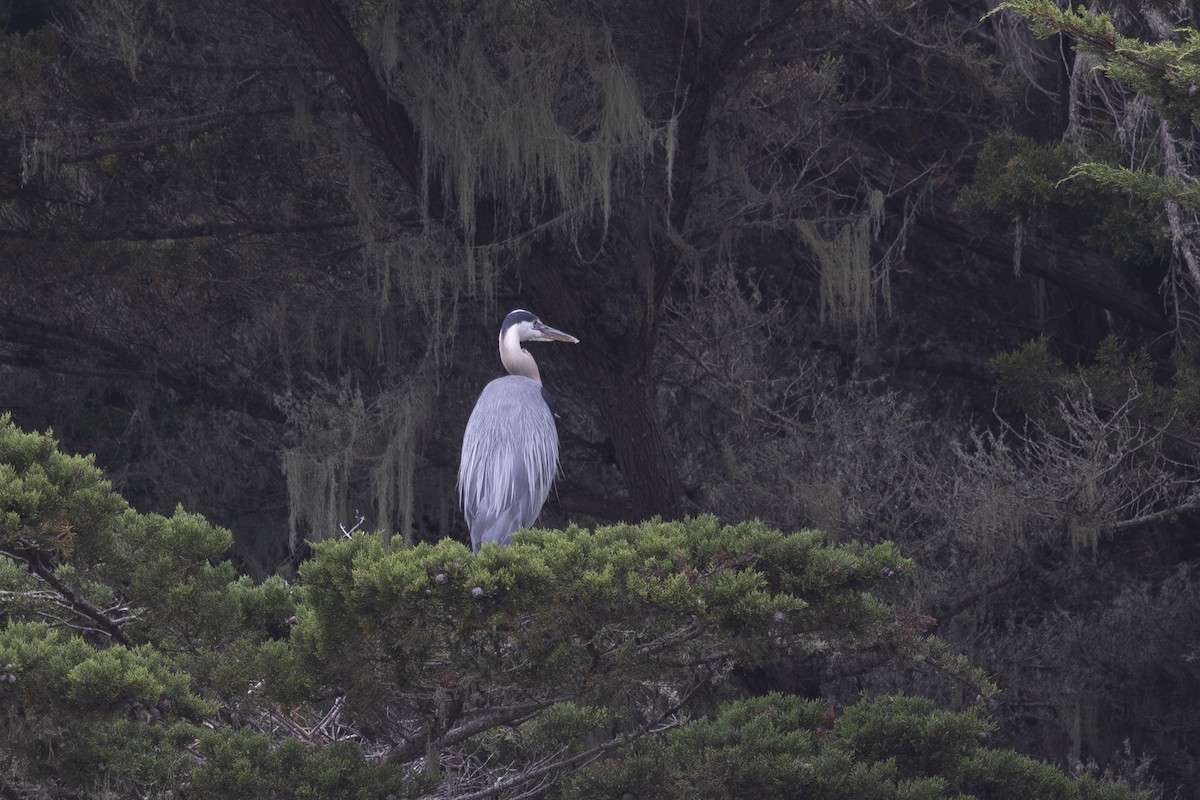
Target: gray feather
(509,459)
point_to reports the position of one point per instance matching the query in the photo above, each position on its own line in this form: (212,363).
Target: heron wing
(509,459)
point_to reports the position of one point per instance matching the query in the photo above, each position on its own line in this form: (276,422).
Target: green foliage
(1029,378)
(1046,186)
(149,669)
(1117,372)
(943,658)
(1166,72)
(1036,382)
(562,723)
(52,500)
(121,754)
(57,672)
(920,738)
(1015,176)
(610,617)
(1005,775)
(64,697)
(58,509)
(885,747)
(249,765)
(1146,185)
(169,627)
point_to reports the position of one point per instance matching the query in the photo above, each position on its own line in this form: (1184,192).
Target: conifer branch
(499,716)
(70,599)
(661,724)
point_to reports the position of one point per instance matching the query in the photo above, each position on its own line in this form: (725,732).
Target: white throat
(515,358)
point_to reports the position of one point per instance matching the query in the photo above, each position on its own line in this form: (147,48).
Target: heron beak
(553,334)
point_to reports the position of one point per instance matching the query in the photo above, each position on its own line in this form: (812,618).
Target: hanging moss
(853,282)
(496,124)
(354,459)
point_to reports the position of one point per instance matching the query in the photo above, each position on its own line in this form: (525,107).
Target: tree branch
(34,344)
(502,716)
(191,126)
(31,557)
(658,725)
(327,31)
(198,230)
(953,608)
(1149,519)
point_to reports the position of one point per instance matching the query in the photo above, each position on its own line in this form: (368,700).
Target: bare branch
(199,230)
(502,716)
(1149,519)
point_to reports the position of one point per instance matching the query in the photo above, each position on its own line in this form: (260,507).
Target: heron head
(531,329)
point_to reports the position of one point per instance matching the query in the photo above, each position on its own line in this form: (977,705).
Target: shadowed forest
(916,284)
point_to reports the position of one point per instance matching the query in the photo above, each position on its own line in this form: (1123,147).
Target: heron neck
(516,359)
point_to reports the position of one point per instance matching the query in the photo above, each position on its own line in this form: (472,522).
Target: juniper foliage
(134,661)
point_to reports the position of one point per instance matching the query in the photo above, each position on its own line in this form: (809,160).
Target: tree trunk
(627,405)
(323,26)
(613,361)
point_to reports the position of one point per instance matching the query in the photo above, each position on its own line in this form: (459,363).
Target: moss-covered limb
(1165,72)
(1166,75)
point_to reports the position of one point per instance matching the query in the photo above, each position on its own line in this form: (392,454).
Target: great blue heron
(510,448)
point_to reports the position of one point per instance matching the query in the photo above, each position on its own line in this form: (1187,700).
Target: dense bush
(133,661)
